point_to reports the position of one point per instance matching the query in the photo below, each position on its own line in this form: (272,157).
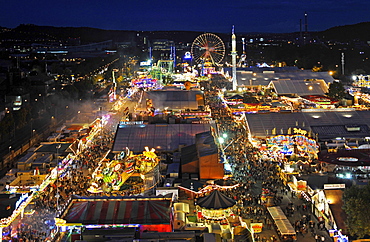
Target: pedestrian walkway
(268,231)
(299,214)
(261,186)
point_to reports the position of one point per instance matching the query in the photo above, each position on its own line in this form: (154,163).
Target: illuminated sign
(351,128)
(131,122)
(195,114)
(299,131)
(347,159)
(187,55)
(257,227)
(145,63)
(200,122)
(338,236)
(124,124)
(334,186)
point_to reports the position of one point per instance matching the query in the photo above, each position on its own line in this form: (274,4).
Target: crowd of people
(75,180)
(37,227)
(260,183)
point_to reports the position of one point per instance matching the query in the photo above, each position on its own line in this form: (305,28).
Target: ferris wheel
(208,48)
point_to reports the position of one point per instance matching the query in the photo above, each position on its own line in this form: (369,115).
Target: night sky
(216,16)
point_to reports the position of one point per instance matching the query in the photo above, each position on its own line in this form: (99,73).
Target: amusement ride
(208,47)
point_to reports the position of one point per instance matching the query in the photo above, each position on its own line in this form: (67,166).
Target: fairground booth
(282,224)
(143,213)
(328,208)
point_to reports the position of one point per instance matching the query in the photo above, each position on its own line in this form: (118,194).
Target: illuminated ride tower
(243,57)
(233,58)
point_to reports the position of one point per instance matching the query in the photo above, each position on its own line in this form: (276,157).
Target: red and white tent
(150,213)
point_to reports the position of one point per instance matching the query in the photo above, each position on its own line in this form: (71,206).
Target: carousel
(215,206)
(126,173)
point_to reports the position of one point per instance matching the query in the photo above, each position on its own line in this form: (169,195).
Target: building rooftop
(118,210)
(300,87)
(327,124)
(263,77)
(52,148)
(206,144)
(173,99)
(216,200)
(162,137)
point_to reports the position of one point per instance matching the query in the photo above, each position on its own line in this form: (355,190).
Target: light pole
(57,180)
(32,136)
(31,126)
(10,154)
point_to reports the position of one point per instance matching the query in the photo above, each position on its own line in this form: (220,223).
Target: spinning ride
(112,174)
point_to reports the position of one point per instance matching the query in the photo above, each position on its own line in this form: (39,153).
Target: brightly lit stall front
(321,101)
(196,114)
(144,83)
(328,207)
(234,100)
(215,206)
(239,108)
(300,188)
(26,182)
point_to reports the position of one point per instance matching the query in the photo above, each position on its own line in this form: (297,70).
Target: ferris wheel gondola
(208,48)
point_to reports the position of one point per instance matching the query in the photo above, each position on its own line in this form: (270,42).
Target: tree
(6,125)
(336,90)
(21,116)
(358,72)
(356,203)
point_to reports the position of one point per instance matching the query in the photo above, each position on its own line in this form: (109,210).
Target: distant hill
(29,32)
(85,34)
(360,31)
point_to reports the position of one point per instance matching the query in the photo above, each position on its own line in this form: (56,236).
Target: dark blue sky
(194,15)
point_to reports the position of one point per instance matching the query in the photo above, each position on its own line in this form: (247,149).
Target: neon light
(21,199)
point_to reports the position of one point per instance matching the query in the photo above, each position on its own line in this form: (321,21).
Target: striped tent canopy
(216,200)
(118,210)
